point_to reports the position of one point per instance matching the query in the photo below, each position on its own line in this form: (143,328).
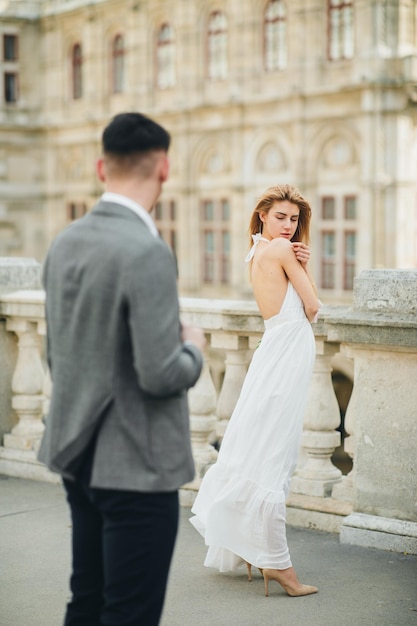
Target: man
(121,363)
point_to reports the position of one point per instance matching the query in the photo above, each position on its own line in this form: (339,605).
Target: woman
(240,507)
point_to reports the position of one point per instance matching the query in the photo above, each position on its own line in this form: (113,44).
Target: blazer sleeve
(163,363)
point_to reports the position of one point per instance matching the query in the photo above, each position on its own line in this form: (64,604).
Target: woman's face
(280,221)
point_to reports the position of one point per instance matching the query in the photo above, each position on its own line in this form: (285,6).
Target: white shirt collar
(109,196)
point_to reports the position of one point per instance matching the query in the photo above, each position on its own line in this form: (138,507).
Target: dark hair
(134,133)
(280,193)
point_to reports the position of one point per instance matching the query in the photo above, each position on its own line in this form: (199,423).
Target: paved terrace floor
(357,586)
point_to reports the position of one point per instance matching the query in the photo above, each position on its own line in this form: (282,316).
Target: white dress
(240,507)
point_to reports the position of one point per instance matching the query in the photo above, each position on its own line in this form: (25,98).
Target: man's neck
(144,194)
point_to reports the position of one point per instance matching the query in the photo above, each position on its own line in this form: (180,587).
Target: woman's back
(269,280)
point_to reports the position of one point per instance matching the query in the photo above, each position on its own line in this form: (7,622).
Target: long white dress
(240,507)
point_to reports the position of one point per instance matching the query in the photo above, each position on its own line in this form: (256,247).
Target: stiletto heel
(288,580)
(249,566)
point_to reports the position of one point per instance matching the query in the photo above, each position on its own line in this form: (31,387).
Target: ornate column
(236,364)
(317,476)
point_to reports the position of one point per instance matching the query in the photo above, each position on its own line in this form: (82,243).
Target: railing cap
(19,273)
(386,291)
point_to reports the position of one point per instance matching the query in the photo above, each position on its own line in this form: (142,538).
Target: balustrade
(379,418)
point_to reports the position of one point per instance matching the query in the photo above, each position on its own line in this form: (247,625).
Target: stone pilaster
(381,332)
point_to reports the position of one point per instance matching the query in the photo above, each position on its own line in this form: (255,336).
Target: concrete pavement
(357,586)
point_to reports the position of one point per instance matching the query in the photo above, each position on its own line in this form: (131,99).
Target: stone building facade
(317,93)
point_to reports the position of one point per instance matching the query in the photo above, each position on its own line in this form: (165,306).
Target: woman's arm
(301,279)
(302,253)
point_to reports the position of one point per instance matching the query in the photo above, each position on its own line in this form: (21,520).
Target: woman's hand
(302,252)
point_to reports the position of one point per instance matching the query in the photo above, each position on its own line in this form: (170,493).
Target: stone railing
(375,504)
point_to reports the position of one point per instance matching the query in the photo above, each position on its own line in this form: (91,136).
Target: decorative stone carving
(338,153)
(270,159)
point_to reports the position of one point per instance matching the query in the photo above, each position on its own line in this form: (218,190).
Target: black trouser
(122,545)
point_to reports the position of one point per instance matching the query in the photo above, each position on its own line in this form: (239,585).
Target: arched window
(275,35)
(341,30)
(217,46)
(117,61)
(77,72)
(165,57)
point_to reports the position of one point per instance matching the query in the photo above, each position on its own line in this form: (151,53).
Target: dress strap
(256,239)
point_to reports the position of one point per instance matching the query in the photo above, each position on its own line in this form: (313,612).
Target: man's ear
(100,170)
(164,169)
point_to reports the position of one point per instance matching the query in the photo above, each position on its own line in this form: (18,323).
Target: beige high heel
(249,566)
(288,580)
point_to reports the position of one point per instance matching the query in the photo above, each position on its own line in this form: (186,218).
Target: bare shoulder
(280,248)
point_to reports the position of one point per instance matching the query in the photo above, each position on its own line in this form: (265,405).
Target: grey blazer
(119,368)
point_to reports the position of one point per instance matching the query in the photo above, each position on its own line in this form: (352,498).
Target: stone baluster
(27,387)
(317,476)
(344,490)
(236,364)
(25,317)
(202,400)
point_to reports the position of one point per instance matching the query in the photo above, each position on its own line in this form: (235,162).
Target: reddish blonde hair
(280,193)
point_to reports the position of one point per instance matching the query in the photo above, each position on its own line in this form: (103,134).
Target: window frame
(15,38)
(341,227)
(166,75)
(349,262)
(165,217)
(75,210)
(215,221)
(6,87)
(77,71)
(117,64)
(328,261)
(217,46)
(278,51)
(337,10)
